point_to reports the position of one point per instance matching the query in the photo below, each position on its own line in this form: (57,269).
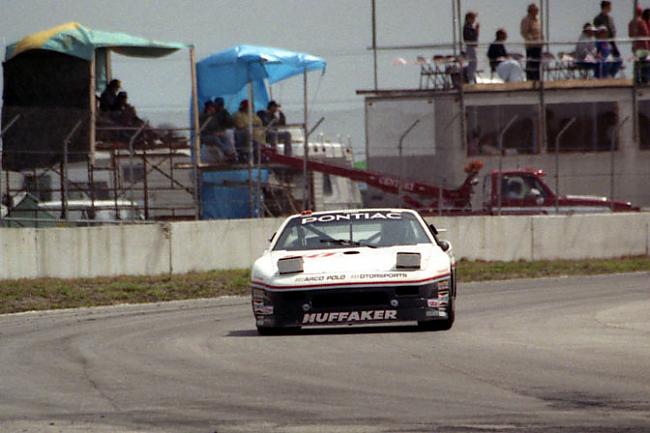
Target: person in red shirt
(639,28)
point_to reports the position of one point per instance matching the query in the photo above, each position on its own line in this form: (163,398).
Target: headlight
(290,265)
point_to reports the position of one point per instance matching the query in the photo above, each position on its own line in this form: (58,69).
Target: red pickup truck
(524,191)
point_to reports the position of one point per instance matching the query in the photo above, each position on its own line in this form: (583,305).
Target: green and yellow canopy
(76,40)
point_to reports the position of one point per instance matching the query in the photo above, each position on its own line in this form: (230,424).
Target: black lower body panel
(326,307)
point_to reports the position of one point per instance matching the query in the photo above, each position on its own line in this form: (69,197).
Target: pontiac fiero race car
(354,267)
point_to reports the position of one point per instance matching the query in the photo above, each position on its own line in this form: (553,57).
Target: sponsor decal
(381,276)
(433,303)
(343,277)
(352,217)
(263,309)
(349,316)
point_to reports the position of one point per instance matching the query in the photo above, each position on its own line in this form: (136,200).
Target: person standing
(638,28)
(604,18)
(531,31)
(470,37)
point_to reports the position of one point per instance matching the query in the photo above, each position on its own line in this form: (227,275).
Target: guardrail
(182,247)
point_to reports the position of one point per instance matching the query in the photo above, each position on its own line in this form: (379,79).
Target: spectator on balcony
(271,118)
(470,36)
(108,98)
(124,113)
(638,28)
(586,53)
(608,64)
(497,50)
(531,31)
(216,133)
(507,68)
(604,18)
(241,120)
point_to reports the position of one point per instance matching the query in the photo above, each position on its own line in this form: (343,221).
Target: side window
(513,187)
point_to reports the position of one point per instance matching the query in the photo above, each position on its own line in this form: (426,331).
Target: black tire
(440,325)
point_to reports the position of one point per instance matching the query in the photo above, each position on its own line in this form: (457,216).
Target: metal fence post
(557,163)
(500,144)
(400,145)
(2,133)
(612,150)
(64,171)
(131,163)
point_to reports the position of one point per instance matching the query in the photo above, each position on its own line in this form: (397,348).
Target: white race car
(354,267)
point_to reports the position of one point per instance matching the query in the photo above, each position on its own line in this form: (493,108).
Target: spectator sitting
(219,140)
(608,66)
(507,68)
(586,53)
(272,117)
(124,113)
(108,98)
(241,120)
(514,190)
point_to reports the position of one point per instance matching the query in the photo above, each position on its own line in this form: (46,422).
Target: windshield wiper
(346,242)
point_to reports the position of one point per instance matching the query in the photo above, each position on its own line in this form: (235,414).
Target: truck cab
(523,191)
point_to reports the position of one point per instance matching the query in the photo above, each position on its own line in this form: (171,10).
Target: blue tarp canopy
(227,72)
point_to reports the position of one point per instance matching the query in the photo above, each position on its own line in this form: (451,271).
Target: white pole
(306,200)
(250,149)
(196,138)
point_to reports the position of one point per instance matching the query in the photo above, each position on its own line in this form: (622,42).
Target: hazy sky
(338,30)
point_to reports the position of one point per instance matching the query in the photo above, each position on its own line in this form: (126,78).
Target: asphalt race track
(551,355)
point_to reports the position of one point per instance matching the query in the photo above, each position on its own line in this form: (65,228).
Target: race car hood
(344,266)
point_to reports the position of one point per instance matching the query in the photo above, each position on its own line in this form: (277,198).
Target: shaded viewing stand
(242,72)
(49,115)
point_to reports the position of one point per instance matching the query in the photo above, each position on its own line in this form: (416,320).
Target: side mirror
(272,237)
(433,229)
(444,245)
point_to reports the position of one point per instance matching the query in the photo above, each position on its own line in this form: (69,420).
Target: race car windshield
(351,230)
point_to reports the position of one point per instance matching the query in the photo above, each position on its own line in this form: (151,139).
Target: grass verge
(50,293)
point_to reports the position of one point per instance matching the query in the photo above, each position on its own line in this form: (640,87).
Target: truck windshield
(348,230)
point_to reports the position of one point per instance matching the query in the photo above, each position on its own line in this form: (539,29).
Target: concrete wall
(207,245)
(547,237)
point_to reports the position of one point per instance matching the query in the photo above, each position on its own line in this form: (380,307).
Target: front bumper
(358,305)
